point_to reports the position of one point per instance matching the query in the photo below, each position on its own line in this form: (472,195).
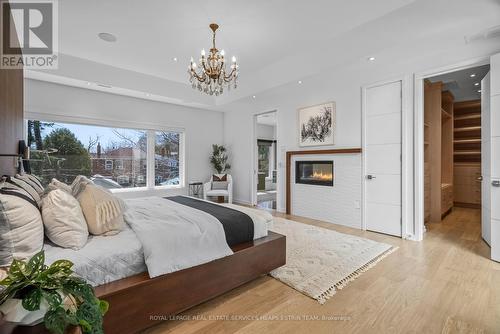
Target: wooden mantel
(289,156)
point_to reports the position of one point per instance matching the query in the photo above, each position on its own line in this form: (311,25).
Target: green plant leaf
(55,320)
(103,306)
(86,327)
(31,301)
(35,264)
(52,297)
(17,270)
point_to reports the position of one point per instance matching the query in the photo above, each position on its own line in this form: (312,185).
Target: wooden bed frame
(139,302)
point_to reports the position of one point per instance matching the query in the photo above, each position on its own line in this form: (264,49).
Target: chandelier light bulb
(203,52)
(222,53)
(233,59)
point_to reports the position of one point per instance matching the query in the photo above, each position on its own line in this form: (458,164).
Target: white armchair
(208,190)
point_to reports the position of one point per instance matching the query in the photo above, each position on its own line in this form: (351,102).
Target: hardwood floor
(446,279)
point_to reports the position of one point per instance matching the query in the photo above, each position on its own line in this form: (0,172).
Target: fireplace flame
(322,176)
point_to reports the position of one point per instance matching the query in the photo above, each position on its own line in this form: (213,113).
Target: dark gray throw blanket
(237,225)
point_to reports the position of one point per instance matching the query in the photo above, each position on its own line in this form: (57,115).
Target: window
(167,158)
(112,157)
(119,164)
(108,164)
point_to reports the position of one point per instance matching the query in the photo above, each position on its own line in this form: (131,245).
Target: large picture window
(112,157)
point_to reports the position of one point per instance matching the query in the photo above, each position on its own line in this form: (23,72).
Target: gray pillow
(219,185)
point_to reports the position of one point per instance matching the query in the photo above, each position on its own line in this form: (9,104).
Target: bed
(165,260)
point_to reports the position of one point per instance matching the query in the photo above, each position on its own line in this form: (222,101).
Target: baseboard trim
(467,205)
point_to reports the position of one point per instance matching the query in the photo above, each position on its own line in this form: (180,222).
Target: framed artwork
(317,125)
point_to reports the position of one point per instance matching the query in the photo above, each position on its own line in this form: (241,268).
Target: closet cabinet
(438,151)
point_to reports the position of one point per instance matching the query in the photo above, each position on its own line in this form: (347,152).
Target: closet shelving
(467,154)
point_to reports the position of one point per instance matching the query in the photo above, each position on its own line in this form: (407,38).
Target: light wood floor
(417,289)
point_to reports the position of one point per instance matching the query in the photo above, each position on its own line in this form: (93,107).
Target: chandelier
(212,74)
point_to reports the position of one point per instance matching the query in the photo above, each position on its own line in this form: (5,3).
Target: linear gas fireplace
(318,173)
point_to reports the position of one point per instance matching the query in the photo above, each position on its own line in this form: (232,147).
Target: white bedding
(175,236)
(103,259)
(160,236)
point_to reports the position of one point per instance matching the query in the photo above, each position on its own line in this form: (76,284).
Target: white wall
(342,85)
(267,132)
(64,103)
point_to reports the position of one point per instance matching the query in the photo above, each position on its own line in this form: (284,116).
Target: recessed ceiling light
(473,75)
(371,58)
(107,37)
(174,59)
(253,97)
(300,82)
(479,91)
(476,84)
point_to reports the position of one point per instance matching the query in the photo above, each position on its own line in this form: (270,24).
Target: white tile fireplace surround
(339,204)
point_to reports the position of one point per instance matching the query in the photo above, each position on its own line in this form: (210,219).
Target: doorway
(265,161)
(455,126)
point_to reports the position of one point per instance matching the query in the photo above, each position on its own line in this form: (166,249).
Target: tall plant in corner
(69,299)
(219,159)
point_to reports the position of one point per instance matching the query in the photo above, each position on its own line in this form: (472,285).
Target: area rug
(319,261)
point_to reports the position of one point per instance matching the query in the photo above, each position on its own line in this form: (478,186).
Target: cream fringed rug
(320,261)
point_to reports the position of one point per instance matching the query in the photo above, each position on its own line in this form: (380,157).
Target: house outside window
(112,157)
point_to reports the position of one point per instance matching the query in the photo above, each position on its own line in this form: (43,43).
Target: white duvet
(175,236)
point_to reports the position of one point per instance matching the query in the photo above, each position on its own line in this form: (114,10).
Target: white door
(494,182)
(382,158)
(486,160)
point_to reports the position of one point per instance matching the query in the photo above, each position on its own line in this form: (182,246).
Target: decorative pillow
(21,227)
(63,219)
(56,184)
(29,187)
(219,185)
(103,211)
(219,177)
(33,181)
(79,184)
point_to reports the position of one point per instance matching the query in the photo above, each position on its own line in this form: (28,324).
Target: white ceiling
(151,33)
(461,84)
(276,41)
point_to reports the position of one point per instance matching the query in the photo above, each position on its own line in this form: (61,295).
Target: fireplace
(319,173)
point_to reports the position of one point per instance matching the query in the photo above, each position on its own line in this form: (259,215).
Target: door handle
(370,177)
(495,183)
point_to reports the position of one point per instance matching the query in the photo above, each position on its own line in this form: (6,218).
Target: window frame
(150,130)
(106,164)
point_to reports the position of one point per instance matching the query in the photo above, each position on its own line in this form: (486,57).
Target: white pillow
(56,184)
(103,211)
(63,220)
(21,227)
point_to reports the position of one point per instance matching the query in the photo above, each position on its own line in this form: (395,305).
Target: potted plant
(219,159)
(65,301)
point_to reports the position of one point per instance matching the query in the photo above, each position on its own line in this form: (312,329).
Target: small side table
(196,189)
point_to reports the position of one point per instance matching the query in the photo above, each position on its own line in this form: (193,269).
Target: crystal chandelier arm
(229,77)
(198,77)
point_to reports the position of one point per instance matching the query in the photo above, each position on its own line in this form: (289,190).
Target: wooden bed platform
(139,302)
